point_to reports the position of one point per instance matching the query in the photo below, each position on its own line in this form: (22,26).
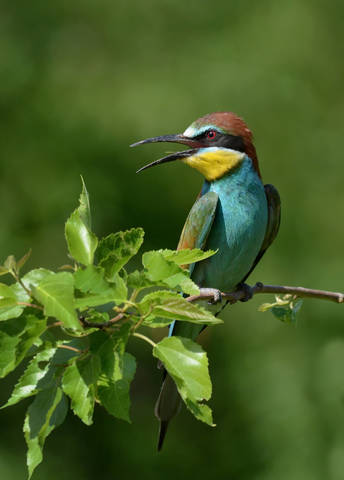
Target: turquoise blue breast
(238,230)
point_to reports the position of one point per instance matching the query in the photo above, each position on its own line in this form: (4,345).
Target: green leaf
(29,382)
(7,296)
(118,369)
(47,411)
(82,243)
(138,279)
(186,256)
(113,391)
(158,268)
(79,383)
(153,321)
(182,281)
(168,273)
(34,277)
(187,363)
(84,205)
(10,263)
(16,337)
(115,250)
(15,311)
(91,279)
(116,293)
(3,270)
(55,293)
(171,305)
(284,308)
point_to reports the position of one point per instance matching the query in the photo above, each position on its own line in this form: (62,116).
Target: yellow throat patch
(214,164)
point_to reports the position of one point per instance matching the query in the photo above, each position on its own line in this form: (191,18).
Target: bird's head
(217,141)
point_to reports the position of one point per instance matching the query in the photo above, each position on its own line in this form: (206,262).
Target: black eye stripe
(235,142)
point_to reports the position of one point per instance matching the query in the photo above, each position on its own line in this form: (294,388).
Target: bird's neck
(234,177)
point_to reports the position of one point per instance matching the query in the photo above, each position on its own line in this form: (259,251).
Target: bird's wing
(199,222)
(274,220)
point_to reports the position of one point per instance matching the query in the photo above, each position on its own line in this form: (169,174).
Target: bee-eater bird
(235,214)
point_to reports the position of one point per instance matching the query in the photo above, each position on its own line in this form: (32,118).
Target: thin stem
(30,305)
(143,337)
(19,280)
(143,318)
(67,347)
(55,324)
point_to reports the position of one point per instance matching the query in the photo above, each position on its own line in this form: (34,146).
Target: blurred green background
(79,82)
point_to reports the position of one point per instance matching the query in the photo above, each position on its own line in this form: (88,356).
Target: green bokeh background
(79,82)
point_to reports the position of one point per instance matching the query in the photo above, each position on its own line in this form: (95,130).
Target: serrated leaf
(82,243)
(167,273)
(55,293)
(158,268)
(114,392)
(171,305)
(118,369)
(182,281)
(29,382)
(16,337)
(79,383)
(186,256)
(47,411)
(115,250)
(187,363)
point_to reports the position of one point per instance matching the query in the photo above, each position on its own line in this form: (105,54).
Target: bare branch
(259,287)
(237,295)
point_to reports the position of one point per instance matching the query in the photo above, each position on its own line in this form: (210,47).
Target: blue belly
(238,230)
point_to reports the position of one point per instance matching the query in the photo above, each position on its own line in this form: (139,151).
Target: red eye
(211,134)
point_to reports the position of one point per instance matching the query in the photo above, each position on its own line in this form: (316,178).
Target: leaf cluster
(72,327)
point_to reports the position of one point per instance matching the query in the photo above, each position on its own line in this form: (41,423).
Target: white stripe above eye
(190,132)
(194,132)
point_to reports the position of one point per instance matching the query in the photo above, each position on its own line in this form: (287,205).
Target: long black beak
(178,138)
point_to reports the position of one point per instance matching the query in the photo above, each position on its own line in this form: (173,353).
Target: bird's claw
(214,292)
(248,292)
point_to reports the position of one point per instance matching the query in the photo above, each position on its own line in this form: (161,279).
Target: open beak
(178,138)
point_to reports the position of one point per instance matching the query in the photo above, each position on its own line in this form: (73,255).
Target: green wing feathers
(199,222)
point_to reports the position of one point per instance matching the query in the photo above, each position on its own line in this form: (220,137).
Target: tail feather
(167,406)
(162,433)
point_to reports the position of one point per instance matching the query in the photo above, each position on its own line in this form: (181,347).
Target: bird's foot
(214,292)
(248,291)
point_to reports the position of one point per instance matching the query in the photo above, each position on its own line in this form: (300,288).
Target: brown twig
(67,347)
(110,322)
(259,287)
(30,305)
